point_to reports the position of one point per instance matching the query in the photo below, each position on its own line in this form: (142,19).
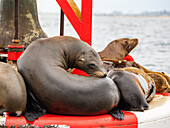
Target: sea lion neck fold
(67,52)
(71,53)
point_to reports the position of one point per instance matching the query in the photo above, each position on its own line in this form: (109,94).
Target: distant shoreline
(121,15)
(166,16)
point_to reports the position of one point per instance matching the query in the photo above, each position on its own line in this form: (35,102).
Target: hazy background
(109,6)
(119,19)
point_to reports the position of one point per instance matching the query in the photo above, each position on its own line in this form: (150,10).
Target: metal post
(16,19)
(61,23)
(83,27)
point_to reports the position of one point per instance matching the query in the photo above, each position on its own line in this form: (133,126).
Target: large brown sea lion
(118,49)
(44,66)
(162,81)
(13,96)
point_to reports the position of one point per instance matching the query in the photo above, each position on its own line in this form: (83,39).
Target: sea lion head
(128,44)
(124,46)
(118,49)
(90,62)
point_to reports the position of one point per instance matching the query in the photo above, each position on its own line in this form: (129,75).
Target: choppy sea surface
(153,33)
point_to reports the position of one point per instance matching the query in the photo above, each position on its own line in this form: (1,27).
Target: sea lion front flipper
(33,109)
(117,113)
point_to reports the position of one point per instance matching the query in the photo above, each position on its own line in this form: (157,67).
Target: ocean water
(153,33)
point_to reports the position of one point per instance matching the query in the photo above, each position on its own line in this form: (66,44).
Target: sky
(109,6)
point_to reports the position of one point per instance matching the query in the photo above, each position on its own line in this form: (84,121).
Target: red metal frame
(83,27)
(14,52)
(1,52)
(106,120)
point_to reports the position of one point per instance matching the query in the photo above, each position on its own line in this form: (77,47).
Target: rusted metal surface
(28,23)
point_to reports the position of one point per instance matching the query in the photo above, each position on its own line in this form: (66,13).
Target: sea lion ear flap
(81,59)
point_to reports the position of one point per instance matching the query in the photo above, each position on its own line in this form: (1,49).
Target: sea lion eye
(92,65)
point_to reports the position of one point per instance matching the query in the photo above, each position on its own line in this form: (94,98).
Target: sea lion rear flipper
(117,113)
(34,110)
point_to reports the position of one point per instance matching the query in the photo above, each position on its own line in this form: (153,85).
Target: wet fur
(12,91)
(132,96)
(44,66)
(149,91)
(162,81)
(118,49)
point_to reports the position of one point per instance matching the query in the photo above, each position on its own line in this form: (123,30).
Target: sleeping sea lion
(161,79)
(118,49)
(160,73)
(160,82)
(44,66)
(147,84)
(131,91)
(13,96)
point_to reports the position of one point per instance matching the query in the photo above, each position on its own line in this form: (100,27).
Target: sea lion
(132,95)
(161,79)
(109,64)
(118,49)
(44,66)
(160,82)
(13,96)
(147,84)
(160,73)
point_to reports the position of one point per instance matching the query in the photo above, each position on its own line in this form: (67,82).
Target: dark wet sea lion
(132,96)
(118,49)
(44,66)
(13,96)
(161,79)
(147,84)
(109,64)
